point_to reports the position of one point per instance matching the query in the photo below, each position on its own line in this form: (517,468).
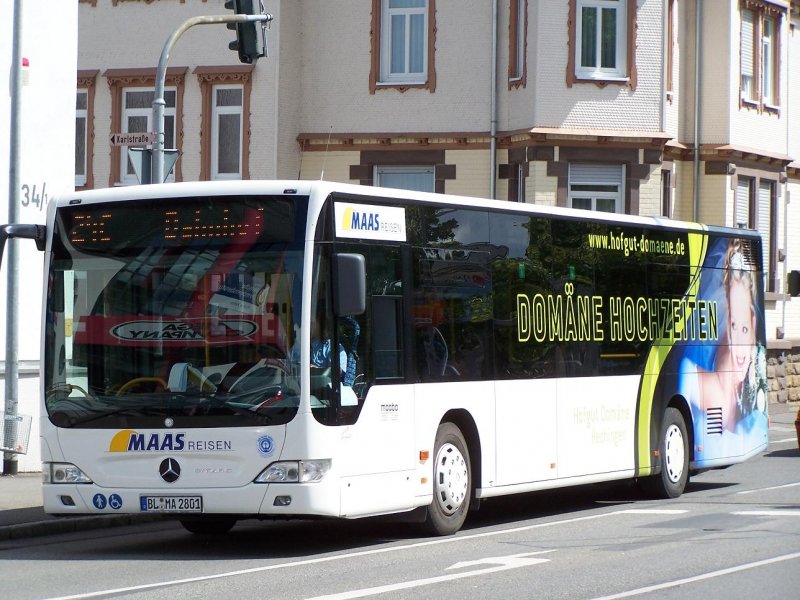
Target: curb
(72,525)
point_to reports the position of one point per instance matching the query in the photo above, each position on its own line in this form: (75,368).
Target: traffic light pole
(11,374)
(157,166)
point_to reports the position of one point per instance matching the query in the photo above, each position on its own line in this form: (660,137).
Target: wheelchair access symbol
(115,501)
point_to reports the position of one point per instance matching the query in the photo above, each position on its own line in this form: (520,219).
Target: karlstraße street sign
(133,139)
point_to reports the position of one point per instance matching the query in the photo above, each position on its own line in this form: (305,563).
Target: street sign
(133,139)
(142,161)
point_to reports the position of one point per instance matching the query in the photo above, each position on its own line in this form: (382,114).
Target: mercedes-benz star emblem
(170,470)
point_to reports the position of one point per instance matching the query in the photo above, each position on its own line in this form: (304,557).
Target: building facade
(42,162)
(679,108)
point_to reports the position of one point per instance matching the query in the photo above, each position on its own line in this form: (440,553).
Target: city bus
(219,351)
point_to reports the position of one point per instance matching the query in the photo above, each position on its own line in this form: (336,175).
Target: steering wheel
(137,380)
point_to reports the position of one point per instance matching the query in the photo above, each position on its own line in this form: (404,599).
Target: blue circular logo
(115,501)
(99,501)
(265,445)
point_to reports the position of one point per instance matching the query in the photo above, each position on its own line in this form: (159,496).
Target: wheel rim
(452,478)
(675,453)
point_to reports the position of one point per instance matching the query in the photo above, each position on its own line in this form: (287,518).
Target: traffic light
(250,36)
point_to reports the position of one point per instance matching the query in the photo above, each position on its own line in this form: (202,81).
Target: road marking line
(654,511)
(767,489)
(314,561)
(789,512)
(787,440)
(514,561)
(709,575)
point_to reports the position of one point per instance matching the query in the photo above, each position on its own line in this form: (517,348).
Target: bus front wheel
(674,449)
(452,482)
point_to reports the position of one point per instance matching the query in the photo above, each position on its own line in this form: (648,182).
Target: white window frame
(404,76)
(216,112)
(381,170)
(126,113)
(766,193)
(519,67)
(614,176)
(596,71)
(82,113)
(768,60)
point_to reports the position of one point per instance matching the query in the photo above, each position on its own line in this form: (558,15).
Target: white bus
(267,349)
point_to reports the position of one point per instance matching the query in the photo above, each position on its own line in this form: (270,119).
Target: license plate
(181,504)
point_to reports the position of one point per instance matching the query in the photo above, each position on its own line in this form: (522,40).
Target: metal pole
(12,263)
(157,167)
(493,109)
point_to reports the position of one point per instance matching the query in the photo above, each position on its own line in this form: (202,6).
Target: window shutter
(764,206)
(742,213)
(595,174)
(748,41)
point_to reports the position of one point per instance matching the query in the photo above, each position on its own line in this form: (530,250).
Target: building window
(768,61)
(137,117)
(415,178)
(748,66)
(402,44)
(666,193)
(517,43)
(81,136)
(84,128)
(132,92)
(225,153)
(226,133)
(596,187)
(670,47)
(601,39)
(516,172)
(759,52)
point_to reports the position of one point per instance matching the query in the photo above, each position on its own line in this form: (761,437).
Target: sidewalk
(22,515)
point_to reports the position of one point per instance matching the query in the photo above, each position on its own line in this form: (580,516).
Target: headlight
(295,471)
(63,473)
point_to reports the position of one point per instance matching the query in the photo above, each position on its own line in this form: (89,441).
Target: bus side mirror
(38,233)
(794,283)
(350,287)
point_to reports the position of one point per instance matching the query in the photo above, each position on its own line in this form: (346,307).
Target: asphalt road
(734,534)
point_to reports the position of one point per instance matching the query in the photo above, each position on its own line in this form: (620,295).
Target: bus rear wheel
(674,450)
(452,482)
(209,525)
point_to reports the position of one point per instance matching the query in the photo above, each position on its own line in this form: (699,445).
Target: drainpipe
(493,109)
(664,43)
(786,195)
(698,25)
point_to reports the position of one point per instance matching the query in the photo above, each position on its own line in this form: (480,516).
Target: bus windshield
(175,312)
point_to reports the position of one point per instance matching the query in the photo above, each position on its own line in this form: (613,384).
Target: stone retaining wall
(783,375)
